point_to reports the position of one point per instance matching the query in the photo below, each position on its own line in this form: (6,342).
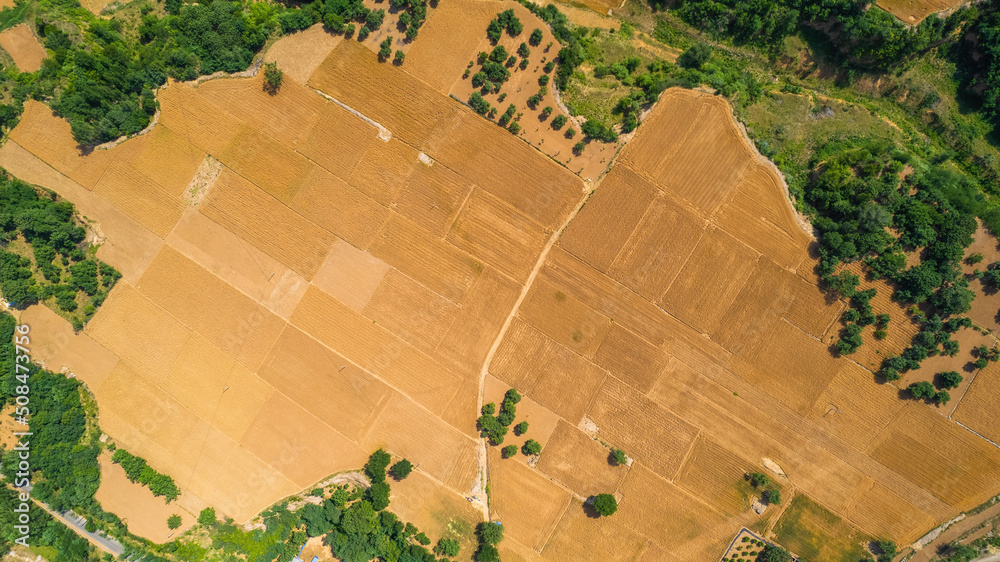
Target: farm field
(914,11)
(331,289)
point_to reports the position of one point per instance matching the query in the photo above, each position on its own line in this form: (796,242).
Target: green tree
(948,379)
(378,495)
(773,553)
(489,409)
(922,390)
(578,147)
(376,465)
(401,469)
(942,397)
(773,496)
(523,51)
(536,38)
(385,49)
(521,428)
(695,56)
(531,447)
(886,550)
(174,522)
(605,504)
(447,547)
(508,451)
(619,457)
(489,532)
(558,121)
(207,517)
(758,480)
(398,59)
(273,77)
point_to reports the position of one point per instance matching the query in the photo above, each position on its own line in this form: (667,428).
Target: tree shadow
(589,510)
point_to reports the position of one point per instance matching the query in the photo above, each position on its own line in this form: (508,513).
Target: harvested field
(228,318)
(700,296)
(579,462)
(243,266)
(854,407)
(691,149)
(674,519)
(525,501)
(143,513)
(543,368)
(23,47)
(612,213)
(433,262)
(350,275)
(542,422)
(885,514)
(565,318)
(49,138)
(763,300)
(199,376)
(981,403)
(912,12)
(649,262)
(138,331)
(411,431)
(242,208)
(577,537)
(648,432)
(413,312)
(298,54)
(167,158)
(204,124)
(955,466)
(62,350)
(329,202)
(498,234)
(462,26)
(376,350)
(600,6)
(477,324)
(263,161)
(714,474)
(383,170)
(297,444)
(963,363)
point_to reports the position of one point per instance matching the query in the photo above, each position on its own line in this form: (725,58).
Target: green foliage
(207,517)
(490,408)
(922,390)
(531,447)
(401,469)
(758,480)
(605,504)
(478,104)
(138,471)
(378,495)
(489,532)
(886,550)
(772,553)
(491,429)
(376,465)
(619,457)
(508,451)
(174,522)
(948,379)
(558,121)
(695,56)
(773,496)
(447,547)
(536,38)
(385,49)
(272,78)
(521,428)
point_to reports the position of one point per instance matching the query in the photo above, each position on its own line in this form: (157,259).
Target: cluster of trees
(958,552)
(494,428)
(761,481)
(925,391)
(864,36)
(138,471)
(933,339)
(986,355)
(489,533)
(505,20)
(44,531)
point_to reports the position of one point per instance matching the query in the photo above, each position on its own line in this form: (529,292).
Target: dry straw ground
(914,11)
(334,292)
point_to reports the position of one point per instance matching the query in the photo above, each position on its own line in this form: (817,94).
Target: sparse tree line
(137,470)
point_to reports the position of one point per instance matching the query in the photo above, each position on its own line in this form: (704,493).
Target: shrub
(447,547)
(400,56)
(174,522)
(578,147)
(508,451)
(546,112)
(570,133)
(536,38)
(385,49)
(531,447)
(695,56)
(759,480)
(619,457)
(401,469)
(514,129)
(605,504)
(773,496)
(948,379)
(558,121)
(523,51)
(207,517)
(923,390)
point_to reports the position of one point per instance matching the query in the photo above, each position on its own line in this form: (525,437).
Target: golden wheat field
(914,11)
(301,288)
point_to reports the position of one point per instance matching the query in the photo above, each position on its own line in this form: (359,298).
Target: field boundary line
(687,454)
(384,134)
(555,524)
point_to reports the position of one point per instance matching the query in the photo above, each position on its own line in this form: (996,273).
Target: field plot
(63,350)
(143,513)
(23,47)
(525,501)
(981,403)
(578,538)
(579,462)
(298,54)
(814,533)
(913,12)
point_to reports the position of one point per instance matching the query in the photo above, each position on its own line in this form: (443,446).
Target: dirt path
(955,531)
(480,492)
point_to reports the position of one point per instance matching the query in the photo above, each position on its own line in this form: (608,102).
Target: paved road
(78,524)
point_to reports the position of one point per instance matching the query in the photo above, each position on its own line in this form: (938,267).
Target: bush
(478,104)
(546,112)
(207,517)
(521,428)
(558,121)
(508,451)
(272,78)
(400,56)
(401,469)
(536,38)
(948,379)
(531,447)
(174,522)
(619,457)
(922,390)
(773,496)
(447,547)
(695,56)
(605,504)
(758,480)
(578,147)
(514,129)
(385,49)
